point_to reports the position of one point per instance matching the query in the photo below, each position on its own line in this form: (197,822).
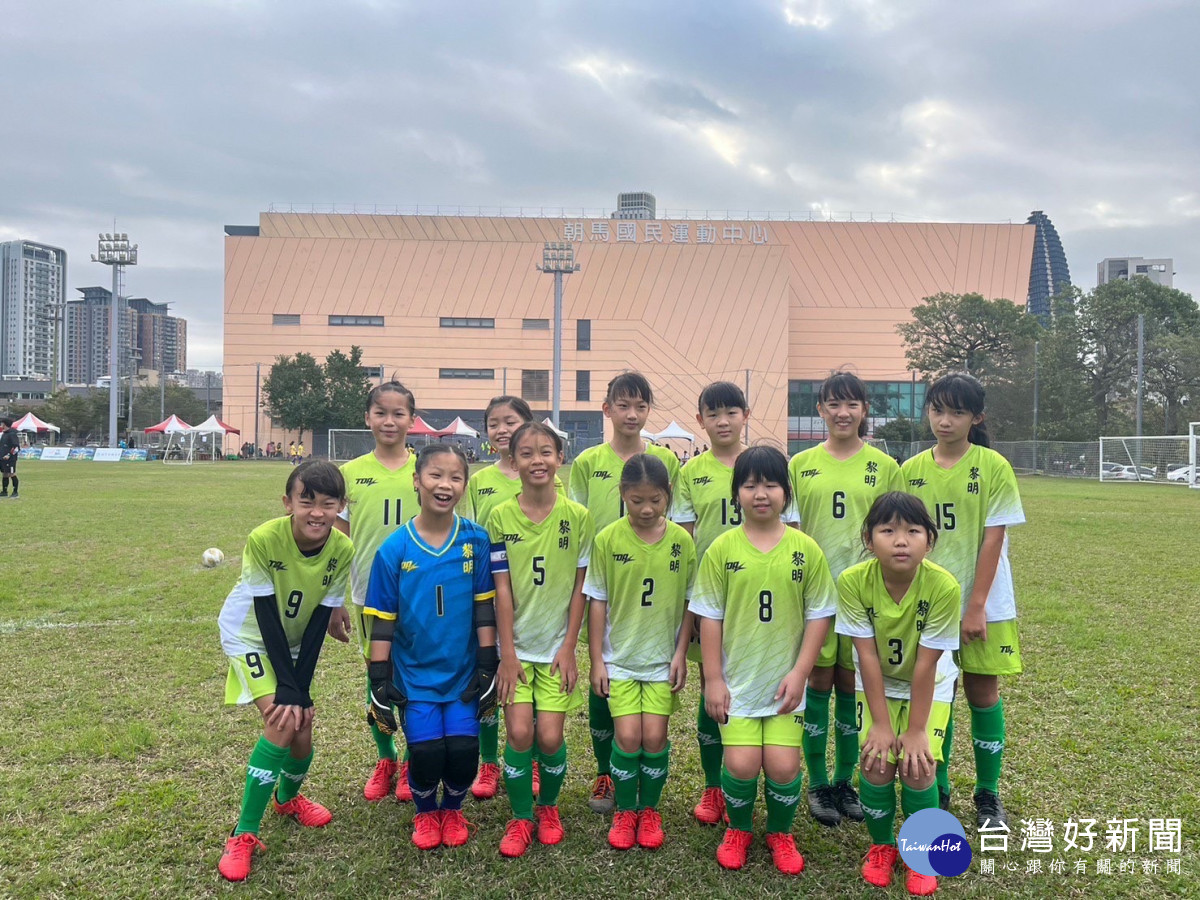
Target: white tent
(550,422)
(646,435)
(675,430)
(459,428)
(30,422)
(214,427)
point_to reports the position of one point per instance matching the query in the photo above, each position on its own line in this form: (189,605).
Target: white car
(1183,473)
(1129,473)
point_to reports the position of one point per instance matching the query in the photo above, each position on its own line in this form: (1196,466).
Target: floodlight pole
(558,259)
(114,250)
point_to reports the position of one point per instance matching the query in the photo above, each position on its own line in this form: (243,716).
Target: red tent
(170,425)
(421,428)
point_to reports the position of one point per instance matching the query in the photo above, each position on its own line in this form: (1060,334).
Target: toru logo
(602,474)
(365,481)
(734,566)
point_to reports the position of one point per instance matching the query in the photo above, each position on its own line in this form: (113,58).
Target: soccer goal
(1193,463)
(346,444)
(1166,459)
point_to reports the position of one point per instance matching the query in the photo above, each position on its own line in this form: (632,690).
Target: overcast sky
(179,118)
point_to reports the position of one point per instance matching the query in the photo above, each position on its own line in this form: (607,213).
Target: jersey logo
(872,467)
(916,482)
(676,550)
(564,527)
(511,538)
(602,474)
(468,551)
(870,611)
(1006,649)
(623,557)
(734,566)
(974,473)
(486,492)
(922,608)
(797,558)
(276,566)
(408,566)
(366,481)
(810,473)
(703,479)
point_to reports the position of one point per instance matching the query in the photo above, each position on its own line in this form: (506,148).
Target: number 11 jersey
(378,501)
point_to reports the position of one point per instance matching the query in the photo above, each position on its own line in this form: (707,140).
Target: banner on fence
(57,454)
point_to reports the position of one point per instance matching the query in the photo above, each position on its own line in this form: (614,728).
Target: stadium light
(116,251)
(558,259)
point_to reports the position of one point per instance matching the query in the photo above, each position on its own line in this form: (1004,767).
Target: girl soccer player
(595,476)
(381,496)
(902,612)
(971,492)
(487,489)
(766,600)
(638,583)
(704,508)
(834,485)
(433,644)
(541,542)
(272,625)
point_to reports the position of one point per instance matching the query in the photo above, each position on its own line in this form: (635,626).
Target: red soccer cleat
(307,812)
(649,829)
(518,837)
(623,833)
(379,785)
(455,828)
(711,808)
(920,885)
(427,830)
(403,788)
(487,782)
(550,829)
(784,854)
(879,864)
(734,848)
(235,861)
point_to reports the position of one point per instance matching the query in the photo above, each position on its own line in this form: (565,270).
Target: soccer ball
(212,557)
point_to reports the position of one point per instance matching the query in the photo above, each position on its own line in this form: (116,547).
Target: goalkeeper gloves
(384,695)
(482,686)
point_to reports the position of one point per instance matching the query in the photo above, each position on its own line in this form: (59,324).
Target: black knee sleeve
(427,762)
(462,760)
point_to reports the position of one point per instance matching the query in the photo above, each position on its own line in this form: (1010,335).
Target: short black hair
(644,468)
(766,463)
(629,385)
(897,506)
(6,422)
(393,387)
(519,406)
(317,476)
(846,386)
(722,395)
(535,428)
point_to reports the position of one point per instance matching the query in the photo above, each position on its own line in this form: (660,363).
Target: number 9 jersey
(378,501)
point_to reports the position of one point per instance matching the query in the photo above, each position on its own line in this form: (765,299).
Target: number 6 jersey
(978,491)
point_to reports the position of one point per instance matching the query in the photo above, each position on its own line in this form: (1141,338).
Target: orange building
(456,308)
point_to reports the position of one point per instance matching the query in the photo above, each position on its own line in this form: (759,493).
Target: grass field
(121,772)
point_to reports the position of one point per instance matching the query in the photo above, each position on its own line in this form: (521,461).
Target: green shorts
(362,624)
(1000,654)
(545,691)
(630,698)
(776,731)
(838,649)
(250,677)
(939,715)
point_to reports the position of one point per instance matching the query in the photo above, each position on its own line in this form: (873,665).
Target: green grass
(121,771)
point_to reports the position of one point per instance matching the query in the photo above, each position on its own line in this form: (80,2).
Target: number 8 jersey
(763,601)
(978,491)
(378,501)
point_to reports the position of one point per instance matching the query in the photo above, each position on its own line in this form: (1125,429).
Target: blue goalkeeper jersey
(430,593)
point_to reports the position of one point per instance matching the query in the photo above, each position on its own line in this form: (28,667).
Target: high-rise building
(85,334)
(33,281)
(1160,271)
(635,205)
(161,337)
(1049,273)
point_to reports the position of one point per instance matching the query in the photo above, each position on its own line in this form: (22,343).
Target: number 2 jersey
(273,564)
(378,501)
(928,615)
(978,491)
(430,593)
(541,559)
(763,601)
(646,588)
(596,481)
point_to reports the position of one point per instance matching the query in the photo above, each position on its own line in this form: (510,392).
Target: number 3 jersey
(831,498)
(541,559)
(430,593)
(978,491)
(378,501)
(273,564)
(928,616)
(763,601)
(646,588)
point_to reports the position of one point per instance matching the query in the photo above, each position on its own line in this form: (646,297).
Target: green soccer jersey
(928,615)
(378,501)
(763,601)
(273,564)
(596,481)
(488,488)
(978,491)
(541,559)
(831,498)
(704,495)
(646,588)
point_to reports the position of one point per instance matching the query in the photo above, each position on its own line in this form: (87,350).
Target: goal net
(346,444)
(1166,459)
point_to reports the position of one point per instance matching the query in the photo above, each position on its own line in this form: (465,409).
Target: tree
(966,333)
(1173,375)
(902,430)
(151,405)
(346,388)
(295,394)
(81,417)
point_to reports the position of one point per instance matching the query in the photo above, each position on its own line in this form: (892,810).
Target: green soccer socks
(654,769)
(879,809)
(625,769)
(987,734)
(781,804)
(554,773)
(518,781)
(601,724)
(816,735)
(712,752)
(740,794)
(291,776)
(845,722)
(262,772)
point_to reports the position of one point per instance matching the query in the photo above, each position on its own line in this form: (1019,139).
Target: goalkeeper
(433,645)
